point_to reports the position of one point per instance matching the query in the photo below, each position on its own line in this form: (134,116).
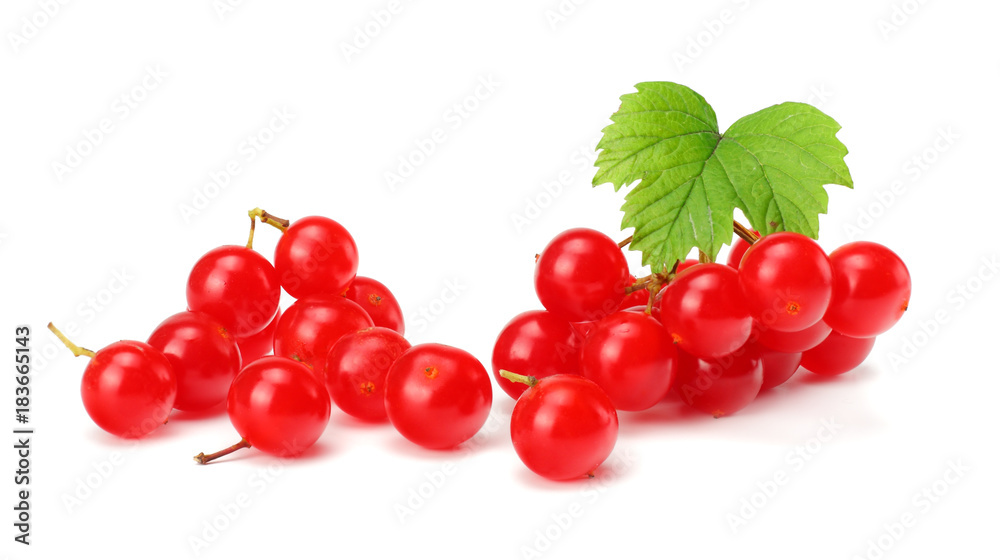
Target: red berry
(259,345)
(787,281)
(737,250)
(437,396)
(632,358)
(356,368)
(654,312)
(378,302)
(204,357)
(720,386)
(582,330)
(686,264)
(837,354)
(237,286)
(278,406)
(316,256)
(703,310)
(778,366)
(129,388)
(563,427)
(792,342)
(310,327)
(871,289)
(535,343)
(581,275)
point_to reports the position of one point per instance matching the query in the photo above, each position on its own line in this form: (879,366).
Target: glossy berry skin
(721,386)
(535,343)
(437,396)
(564,427)
(378,302)
(632,358)
(204,357)
(837,354)
(703,310)
(237,286)
(793,342)
(654,312)
(129,388)
(686,264)
(787,281)
(736,252)
(310,327)
(261,344)
(316,256)
(356,368)
(278,406)
(778,367)
(582,330)
(581,275)
(871,289)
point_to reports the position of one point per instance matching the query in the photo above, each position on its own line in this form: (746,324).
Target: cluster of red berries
(714,334)
(341,340)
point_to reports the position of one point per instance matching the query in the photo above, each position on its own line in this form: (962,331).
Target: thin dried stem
(77,350)
(745,233)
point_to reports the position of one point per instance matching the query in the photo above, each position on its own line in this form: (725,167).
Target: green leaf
(772,164)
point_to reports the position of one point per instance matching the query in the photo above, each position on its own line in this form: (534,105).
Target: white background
(922,85)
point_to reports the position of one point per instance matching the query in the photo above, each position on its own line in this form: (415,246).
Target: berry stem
(518,378)
(649,302)
(657,283)
(253,223)
(658,280)
(202,459)
(653,283)
(269,219)
(640,284)
(747,234)
(77,350)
